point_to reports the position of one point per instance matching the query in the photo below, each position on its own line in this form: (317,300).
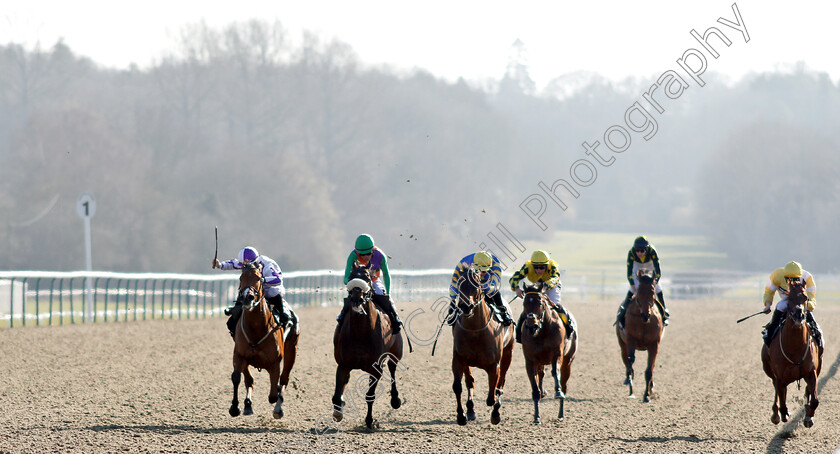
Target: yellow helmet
(482,261)
(539,258)
(793,269)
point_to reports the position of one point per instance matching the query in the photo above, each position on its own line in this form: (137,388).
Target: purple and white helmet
(248,254)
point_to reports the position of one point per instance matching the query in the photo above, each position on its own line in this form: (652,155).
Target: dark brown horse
(479,340)
(364,341)
(260,343)
(543,343)
(793,355)
(642,331)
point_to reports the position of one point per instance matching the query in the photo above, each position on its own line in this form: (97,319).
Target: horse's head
(796,302)
(645,294)
(534,306)
(250,286)
(359,289)
(470,294)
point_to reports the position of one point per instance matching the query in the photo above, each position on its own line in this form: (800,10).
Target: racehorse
(793,355)
(260,342)
(642,330)
(479,340)
(364,341)
(543,343)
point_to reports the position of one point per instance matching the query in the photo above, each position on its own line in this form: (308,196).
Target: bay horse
(793,355)
(479,340)
(643,330)
(260,342)
(364,341)
(544,342)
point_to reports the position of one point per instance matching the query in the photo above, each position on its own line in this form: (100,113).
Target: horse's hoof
(646,399)
(627,382)
(785,417)
(495,417)
(247,411)
(337,415)
(234,411)
(559,395)
(808,423)
(542,394)
(277,415)
(462,421)
(395,402)
(631,396)
(491,401)
(537,421)
(470,416)
(775,419)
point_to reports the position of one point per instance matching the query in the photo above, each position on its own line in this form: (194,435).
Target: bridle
(255,297)
(541,318)
(798,320)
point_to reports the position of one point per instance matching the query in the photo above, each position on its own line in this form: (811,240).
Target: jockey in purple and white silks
(272,286)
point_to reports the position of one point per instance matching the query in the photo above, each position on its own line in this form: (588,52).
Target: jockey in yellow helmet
(541,268)
(486,269)
(780,280)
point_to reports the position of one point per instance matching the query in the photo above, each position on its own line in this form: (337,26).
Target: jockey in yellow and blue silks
(272,286)
(541,268)
(486,270)
(780,280)
(642,256)
(366,253)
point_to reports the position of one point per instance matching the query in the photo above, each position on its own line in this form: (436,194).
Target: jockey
(367,253)
(779,281)
(642,256)
(541,268)
(486,270)
(272,287)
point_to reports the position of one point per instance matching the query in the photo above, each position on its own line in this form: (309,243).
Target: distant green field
(571,249)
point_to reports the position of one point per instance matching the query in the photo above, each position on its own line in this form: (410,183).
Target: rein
(649,303)
(245,333)
(807,347)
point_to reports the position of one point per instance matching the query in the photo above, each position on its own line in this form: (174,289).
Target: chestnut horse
(364,341)
(479,340)
(260,343)
(543,343)
(793,355)
(643,330)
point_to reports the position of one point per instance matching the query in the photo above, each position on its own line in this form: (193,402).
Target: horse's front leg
(781,390)
(629,360)
(774,418)
(342,376)
(811,401)
(492,382)
(248,408)
(235,378)
(458,372)
(536,392)
(652,351)
(275,396)
(395,395)
(470,381)
(370,397)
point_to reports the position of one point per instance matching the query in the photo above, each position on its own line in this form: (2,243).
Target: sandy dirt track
(164,386)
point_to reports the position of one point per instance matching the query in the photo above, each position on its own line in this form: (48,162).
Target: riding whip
(216,255)
(748,316)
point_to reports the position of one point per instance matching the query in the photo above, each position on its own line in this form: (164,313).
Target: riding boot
(519,327)
(622,309)
(385,303)
(663,310)
(280,310)
(567,320)
(770,328)
(235,312)
(815,329)
(507,320)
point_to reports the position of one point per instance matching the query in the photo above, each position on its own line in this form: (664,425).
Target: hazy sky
(455,38)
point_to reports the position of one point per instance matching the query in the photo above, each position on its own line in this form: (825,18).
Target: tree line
(297,148)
